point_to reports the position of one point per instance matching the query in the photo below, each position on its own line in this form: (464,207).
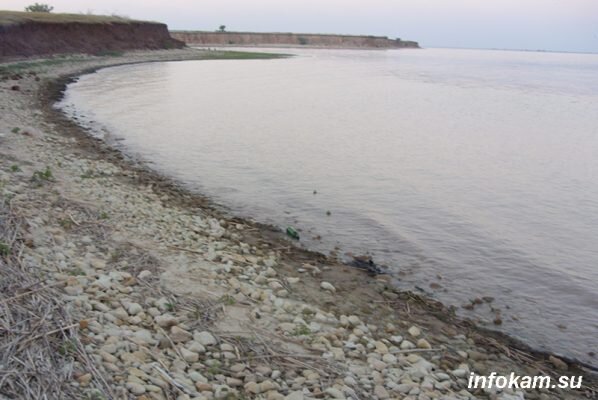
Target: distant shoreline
(287,39)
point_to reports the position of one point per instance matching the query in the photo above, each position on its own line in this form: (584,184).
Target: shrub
(37,7)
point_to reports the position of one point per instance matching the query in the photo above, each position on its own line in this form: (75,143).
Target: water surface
(469,173)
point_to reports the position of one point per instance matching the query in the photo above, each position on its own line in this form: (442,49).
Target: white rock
(179,335)
(334,393)
(407,345)
(135,388)
(134,308)
(396,339)
(144,274)
(381,392)
(459,372)
(414,331)
(328,286)
(189,356)
(143,336)
(205,338)
(296,395)
(196,347)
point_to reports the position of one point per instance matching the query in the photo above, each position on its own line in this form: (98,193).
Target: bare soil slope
(32,34)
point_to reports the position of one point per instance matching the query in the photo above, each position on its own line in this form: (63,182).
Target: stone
(558,363)
(380,392)
(287,327)
(267,385)
(134,309)
(97,263)
(84,379)
(459,373)
(252,387)
(135,388)
(189,356)
(143,336)
(205,338)
(328,287)
(145,274)
(296,395)
(423,344)
(166,320)
(407,345)
(203,386)
(179,335)
(334,393)
(196,347)
(404,388)
(378,365)
(195,376)
(396,339)
(414,331)
(381,348)
(389,359)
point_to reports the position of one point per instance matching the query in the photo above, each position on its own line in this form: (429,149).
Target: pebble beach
(131,287)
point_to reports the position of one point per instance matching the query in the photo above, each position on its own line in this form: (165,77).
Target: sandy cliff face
(43,38)
(293,39)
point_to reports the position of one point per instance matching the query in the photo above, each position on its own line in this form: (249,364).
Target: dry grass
(18,17)
(40,349)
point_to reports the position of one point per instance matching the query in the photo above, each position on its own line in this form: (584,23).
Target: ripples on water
(475,170)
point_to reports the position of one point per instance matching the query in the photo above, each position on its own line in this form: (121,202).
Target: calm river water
(469,173)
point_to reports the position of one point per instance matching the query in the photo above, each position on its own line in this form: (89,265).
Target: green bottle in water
(292,233)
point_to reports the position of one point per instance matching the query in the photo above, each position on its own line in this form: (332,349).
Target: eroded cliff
(203,38)
(32,34)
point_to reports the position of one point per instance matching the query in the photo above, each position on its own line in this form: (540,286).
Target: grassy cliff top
(18,17)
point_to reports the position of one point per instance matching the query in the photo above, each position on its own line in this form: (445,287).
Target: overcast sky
(561,25)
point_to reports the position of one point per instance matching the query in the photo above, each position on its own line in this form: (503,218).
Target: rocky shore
(157,295)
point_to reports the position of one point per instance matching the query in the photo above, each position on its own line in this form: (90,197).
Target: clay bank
(204,38)
(25,34)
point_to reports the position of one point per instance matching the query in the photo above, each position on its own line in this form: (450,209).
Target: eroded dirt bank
(163,297)
(203,38)
(27,34)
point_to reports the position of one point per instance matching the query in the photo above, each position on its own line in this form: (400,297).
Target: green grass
(20,17)
(76,272)
(241,55)
(45,175)
(228,300)
(301,330)
(28,65)
(4,249)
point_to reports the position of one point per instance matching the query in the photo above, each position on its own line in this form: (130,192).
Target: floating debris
(291,232)
(366,263)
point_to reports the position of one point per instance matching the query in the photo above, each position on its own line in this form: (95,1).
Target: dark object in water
(366,263)
(292,233)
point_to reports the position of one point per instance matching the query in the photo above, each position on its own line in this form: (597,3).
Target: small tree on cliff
(39,8)
(221,28)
